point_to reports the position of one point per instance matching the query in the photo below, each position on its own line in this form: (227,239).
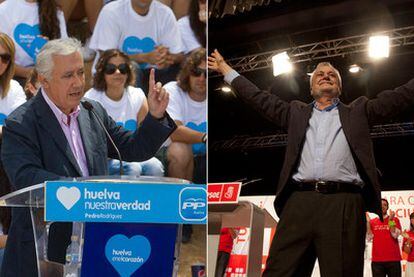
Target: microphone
(247,181)
(251,181)
(87,105)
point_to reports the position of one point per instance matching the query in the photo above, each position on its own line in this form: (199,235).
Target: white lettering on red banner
(223,192)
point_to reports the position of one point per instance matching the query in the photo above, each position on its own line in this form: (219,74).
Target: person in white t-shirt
(146,30)
(188,108)
(193,26)
(11,96)
(11,93)
(185,153)
(30,24)
(126,104)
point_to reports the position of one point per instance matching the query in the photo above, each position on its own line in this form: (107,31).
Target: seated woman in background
(30,23)
(11,96)
(11,93)
(126,104)
(193,26)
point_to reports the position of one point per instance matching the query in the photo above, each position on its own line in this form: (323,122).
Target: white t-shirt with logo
(192,114)
(188,37)
(14,98)
(20,20)
(124,111)
(120,27)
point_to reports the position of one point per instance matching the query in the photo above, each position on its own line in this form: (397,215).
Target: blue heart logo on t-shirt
(133,45)
(37,44)
(2,118)
(127,255)
(28,37)
(198,148)
(130,125)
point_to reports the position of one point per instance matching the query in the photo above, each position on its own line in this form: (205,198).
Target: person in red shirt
(227,235)
(386,256)
(407,247)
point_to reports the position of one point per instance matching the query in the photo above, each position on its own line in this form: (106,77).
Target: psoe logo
(68,197)
(193,204)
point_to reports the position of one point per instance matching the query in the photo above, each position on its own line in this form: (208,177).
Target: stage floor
(193,252)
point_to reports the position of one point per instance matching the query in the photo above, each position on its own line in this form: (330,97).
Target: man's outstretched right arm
(267,104)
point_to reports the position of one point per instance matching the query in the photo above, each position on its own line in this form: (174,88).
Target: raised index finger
(151,79)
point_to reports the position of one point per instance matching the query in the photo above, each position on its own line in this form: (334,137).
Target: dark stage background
(283,24)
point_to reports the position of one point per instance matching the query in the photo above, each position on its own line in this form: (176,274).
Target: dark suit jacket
(35,149)
(356,119)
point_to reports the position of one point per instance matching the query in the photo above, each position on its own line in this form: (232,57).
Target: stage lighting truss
(320,50)
(270,141)
(219,8)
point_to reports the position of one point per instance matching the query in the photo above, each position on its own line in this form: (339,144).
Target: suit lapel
(85,130)
(50,124)
(304,122)
(345,121)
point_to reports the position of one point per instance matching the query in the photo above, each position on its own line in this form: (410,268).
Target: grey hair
(334,69)
(63,46)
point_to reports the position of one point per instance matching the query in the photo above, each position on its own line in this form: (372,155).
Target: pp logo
(68,196)
(193,204)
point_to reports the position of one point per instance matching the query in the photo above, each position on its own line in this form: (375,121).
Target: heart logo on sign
(68,196)
(198,148)
(133,45)
(28,37)
(127,255)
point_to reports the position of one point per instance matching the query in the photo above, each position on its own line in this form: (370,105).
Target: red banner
(223,192)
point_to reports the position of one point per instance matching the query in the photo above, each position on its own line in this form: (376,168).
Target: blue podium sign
(125,202)
(129,249)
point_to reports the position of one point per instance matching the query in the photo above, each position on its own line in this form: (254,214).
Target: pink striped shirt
(70,128)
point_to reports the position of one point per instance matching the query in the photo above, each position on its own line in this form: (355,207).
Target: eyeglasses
(111,68)
(197,72)
(5,58)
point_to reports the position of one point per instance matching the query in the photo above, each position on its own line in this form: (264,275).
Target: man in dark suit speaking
(329,177)
(54,135)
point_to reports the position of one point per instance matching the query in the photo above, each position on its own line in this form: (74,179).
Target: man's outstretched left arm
(391,103)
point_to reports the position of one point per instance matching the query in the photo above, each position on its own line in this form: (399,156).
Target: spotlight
(281,64)
(379,47)
(354,68)
(225,89)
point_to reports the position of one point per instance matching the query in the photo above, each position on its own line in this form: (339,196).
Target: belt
(326,187)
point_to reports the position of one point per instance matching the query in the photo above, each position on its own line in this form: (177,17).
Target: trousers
(329,227)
